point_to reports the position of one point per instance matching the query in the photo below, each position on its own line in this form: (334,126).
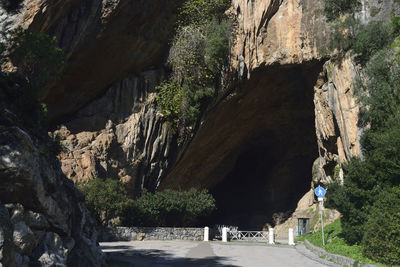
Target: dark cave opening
(272,168)
(260,186)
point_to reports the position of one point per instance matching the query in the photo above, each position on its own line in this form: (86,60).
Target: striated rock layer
(126,138)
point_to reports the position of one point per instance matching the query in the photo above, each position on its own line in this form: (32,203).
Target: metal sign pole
(321,201)
(320,193)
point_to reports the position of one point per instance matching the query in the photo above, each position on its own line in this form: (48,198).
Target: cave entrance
(255,152)
(265,184)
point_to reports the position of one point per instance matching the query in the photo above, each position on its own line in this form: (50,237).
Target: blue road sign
(320,191)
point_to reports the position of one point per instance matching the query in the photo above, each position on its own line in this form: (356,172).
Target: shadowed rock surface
(43,218)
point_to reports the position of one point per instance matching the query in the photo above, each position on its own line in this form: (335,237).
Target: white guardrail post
(224,234)
(291,237)
(206,233)
(271,236)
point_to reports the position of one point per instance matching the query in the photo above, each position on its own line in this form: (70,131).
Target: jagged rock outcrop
(336,120)
(124,136)
(277,32)
(43,217)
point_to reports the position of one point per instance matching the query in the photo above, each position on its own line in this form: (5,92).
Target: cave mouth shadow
(253,192)
(272,169)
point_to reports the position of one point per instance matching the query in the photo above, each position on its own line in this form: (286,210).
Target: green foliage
(217,45)
(170,99)
(105,199)
(335,8)
(336,244)
(170,208)
(363,40)
(382,232)
(353,199)
(39,61)
(395,25)
(369,39)
(36,55)
(201,12)
(199,52)
(379,95)
(342,34)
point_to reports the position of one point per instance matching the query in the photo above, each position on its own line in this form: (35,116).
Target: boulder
(24,238)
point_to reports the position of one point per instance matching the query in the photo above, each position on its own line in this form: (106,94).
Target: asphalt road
(196,253)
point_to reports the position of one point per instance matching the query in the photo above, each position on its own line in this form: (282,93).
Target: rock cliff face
(102,40)
(285,124)
(43,218)
(125,138)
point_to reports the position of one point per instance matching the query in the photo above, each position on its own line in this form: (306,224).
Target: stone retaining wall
(151,233)
(342,260)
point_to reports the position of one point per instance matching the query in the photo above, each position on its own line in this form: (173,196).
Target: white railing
(257,236)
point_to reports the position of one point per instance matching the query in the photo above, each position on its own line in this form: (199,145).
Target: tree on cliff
(38,61)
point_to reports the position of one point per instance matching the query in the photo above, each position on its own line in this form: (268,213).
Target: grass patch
(335,243)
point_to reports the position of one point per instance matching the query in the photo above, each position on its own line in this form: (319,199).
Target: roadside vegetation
(109,203)
(171,208)
(335,243)
(369,198)
(105,199)
(198,55)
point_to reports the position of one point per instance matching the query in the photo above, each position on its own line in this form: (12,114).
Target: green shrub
(36,55)
(379,95)
(199,51)
(170,208)
(335,8)
(186,53)
(382,232)
(364,40)
(369,39)
(39,61)
(217,45)
(169,98)
(201,12)
(353,199)
(105,199)
(196,58)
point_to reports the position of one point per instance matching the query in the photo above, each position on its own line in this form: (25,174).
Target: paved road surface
(196,253)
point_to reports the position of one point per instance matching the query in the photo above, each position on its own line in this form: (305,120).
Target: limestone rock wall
(276,32)
(336,120)
(120,135)
(43,217)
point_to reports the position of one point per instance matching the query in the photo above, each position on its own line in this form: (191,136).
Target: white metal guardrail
(257,236)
